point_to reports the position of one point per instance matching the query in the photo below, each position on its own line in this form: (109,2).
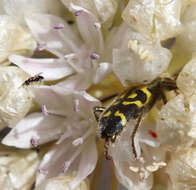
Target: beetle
(131,104)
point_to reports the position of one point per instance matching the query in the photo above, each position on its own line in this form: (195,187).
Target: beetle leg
(98,109)
(134,132)
(107,156)
(163,97)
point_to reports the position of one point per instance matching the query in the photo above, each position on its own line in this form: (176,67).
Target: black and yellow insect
(131,104)
(36,78)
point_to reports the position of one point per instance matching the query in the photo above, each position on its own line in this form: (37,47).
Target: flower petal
(16,101)
(91,34)
(35,126)
(61,101)
(17,168)
(51,69)
(106,8)
(102,71)
(87,163)
(59,42)
(140,62)
(19,8)
(53,161)
(62,183)
(81,81)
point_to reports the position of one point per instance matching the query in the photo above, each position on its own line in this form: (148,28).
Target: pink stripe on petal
(76,105)
(66,166)
(44,110)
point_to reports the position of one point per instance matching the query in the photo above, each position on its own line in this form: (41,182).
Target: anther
(59,26)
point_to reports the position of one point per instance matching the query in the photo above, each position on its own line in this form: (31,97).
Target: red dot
(152,133)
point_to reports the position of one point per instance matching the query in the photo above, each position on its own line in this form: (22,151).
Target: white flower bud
(182,170)
(17,169)
(14,39)
(62,183)
(15,99)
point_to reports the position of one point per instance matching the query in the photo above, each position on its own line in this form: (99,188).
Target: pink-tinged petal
(19,8)
(55,161)
(56,99)
(80,81)
(87,163)
(35,126)
(59,42)
(51,69)
(102,71)
(61,101)
(87,22)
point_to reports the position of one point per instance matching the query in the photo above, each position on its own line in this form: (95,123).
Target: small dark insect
(132,104)
(33,79)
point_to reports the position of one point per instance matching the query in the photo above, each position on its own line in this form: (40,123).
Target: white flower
(17,168)
(187,39)
(75,56)
(68,118)
(182,170)
(16,101)
(186,80)
(14,39)
(105,9)
(136,59)
(18,9)
(136,173)
(176,121)
(154,19)
(62,183)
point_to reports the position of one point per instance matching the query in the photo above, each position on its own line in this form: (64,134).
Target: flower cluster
(84,51)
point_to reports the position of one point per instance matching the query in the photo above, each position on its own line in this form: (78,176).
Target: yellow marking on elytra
(122,116)
(132,95)
(137,102)
(107,114)
(122,96)
(147,92)
(115,103)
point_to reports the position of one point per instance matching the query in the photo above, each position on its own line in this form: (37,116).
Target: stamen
(66,166)
(77,13)
(44,110)
(78,141)
(153,134)
(43,171)
(68,163)
(59,26)
(67,134)
(94,56)
(76,105)
(34,142)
